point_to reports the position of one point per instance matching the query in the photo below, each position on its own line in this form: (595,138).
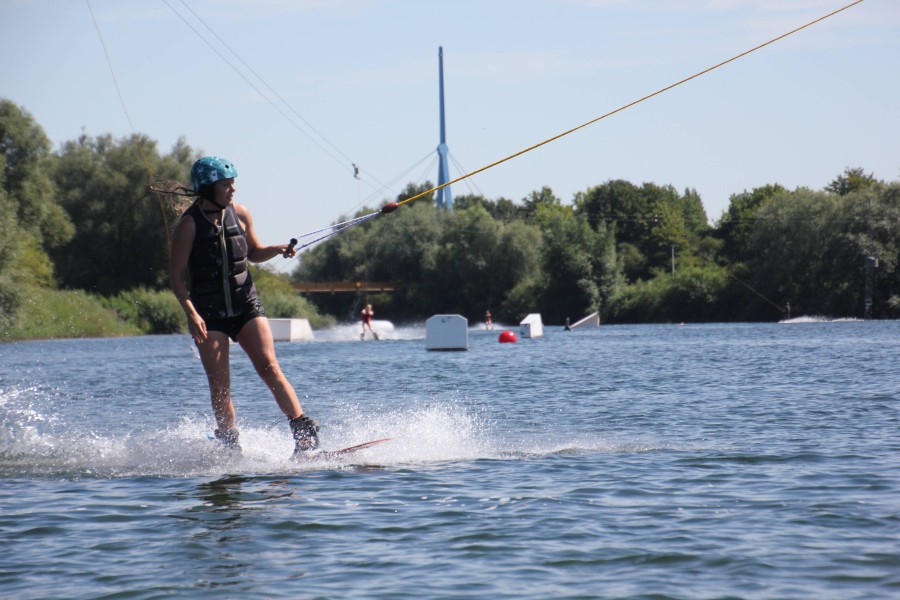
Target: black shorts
(231,326)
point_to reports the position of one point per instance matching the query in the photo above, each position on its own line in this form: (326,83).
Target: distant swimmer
(366,316)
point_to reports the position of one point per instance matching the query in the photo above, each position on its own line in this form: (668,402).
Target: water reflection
(223,543)
(229,499)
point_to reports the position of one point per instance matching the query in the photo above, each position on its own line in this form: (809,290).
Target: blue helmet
(211,169)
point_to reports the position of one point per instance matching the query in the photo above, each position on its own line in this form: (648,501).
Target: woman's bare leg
(256,339)
(214,354)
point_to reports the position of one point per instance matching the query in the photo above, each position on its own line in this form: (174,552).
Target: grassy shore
(45,313)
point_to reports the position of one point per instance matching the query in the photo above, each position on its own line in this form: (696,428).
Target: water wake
(35,441)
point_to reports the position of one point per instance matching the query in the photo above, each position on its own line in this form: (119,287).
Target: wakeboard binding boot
(229,438)
(304,430)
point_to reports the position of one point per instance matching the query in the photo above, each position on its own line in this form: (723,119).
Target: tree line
(80,218)
(634,253)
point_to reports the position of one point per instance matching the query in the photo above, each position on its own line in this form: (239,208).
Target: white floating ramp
(592,320)
(447,332)
(531,326)
(291,330)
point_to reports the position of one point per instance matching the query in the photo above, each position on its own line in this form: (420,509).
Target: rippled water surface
(696,461)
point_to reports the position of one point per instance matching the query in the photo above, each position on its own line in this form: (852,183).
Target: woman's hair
(182,202)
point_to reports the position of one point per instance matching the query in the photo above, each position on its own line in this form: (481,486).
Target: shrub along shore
(45,313)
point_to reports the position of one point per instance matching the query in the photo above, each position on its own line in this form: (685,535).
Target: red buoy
(389,207)
(507,337)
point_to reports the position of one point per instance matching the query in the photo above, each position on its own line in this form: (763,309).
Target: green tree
(693,213)
(31,220)
(571,288)
(607,266)
(580,268)
(882,216)
(794,248)
(867,250)
(501,208)
(26,181)
(648,221)
(460,278)
(541,197)
(402,249)
(851,180)
(516,277)
(695,294)
(10,295)
(619,203)
(736,225)
(122,235)
(667,229)
(478,262)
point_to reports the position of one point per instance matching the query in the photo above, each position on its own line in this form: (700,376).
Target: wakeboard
(322,454)
(343,452)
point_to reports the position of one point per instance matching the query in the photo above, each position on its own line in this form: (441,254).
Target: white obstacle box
(447,332)
(291,330)
(531,326)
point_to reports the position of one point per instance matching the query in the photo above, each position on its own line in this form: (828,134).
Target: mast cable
(630,104)
(134,133)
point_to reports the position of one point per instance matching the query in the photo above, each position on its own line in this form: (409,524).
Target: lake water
(695,461)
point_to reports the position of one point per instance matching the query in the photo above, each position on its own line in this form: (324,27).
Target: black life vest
(221,285)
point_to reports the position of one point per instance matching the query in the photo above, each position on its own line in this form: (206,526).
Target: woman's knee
(269,369)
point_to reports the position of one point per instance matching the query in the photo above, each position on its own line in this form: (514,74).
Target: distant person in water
(488,322)
(366,317)
(211,247)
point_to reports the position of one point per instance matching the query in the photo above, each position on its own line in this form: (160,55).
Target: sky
(295,92)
